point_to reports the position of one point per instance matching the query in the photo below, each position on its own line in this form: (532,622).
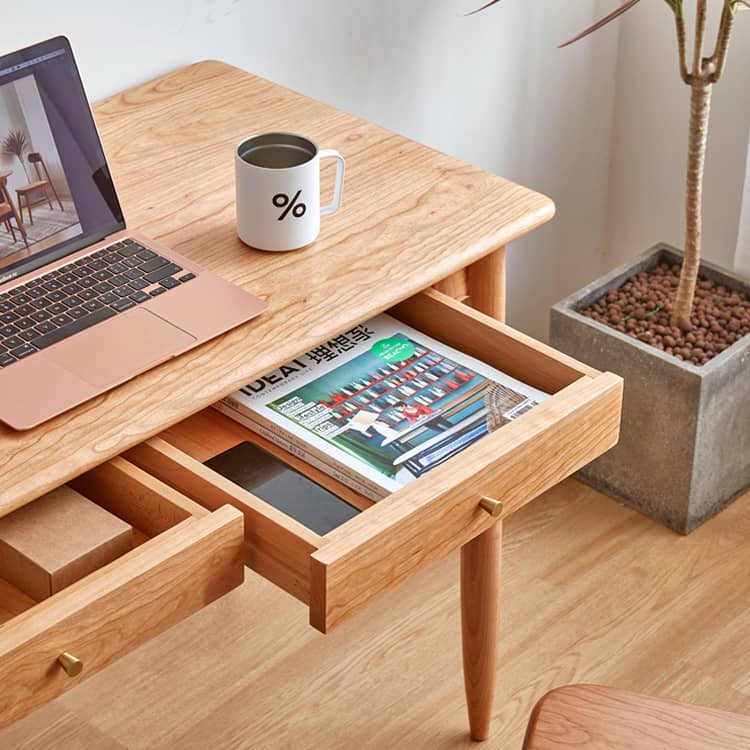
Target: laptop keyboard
(92,289)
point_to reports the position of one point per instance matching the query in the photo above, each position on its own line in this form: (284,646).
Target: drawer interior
(434,513)
(129,493)
(184,558)
(12,602)
(491,341)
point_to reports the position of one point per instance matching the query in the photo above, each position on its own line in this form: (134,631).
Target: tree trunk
(700,107)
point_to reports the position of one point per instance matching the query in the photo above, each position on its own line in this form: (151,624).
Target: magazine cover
(290,443)
(386,401)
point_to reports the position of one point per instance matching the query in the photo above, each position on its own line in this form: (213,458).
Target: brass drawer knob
(70,664)
(492,506)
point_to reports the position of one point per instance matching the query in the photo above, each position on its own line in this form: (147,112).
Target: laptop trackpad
(123,346)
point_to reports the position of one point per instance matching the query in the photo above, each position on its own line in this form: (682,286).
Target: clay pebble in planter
(684,449)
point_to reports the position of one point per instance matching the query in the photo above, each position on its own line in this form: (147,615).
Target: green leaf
(616,13)
(676,6)
(487,5)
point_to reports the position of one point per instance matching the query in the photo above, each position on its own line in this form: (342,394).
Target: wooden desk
(411,218)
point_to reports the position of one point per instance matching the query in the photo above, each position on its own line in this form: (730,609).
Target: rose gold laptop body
(68,373)
(51,380)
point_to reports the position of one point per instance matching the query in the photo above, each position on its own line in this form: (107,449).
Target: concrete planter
(684,450)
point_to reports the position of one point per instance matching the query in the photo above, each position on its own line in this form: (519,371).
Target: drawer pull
(492,506)
(70,664)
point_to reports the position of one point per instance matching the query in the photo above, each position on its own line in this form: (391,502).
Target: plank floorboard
(593,592)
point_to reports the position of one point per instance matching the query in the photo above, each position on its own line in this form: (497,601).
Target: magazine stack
(379,405)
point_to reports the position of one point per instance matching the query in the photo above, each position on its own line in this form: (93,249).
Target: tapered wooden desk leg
(481,557)
(485,282)
(480,624)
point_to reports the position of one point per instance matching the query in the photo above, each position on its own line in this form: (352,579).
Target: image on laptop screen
(56,194)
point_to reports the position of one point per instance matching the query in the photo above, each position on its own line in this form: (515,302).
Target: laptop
(85,303)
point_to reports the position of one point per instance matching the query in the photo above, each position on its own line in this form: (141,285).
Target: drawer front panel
(430,518)
(278,547)
(115,609)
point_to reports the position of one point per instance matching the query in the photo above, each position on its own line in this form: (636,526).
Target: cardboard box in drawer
(58,539)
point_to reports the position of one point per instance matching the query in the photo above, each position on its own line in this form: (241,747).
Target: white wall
(601,126)
(742,256)
(491,89)
(42,140)
(11,118)
(650,140)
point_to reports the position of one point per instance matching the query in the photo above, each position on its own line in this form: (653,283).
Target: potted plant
(15,144)
(677,331)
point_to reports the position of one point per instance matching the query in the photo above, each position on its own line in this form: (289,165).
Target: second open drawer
(338,573)
(184,557)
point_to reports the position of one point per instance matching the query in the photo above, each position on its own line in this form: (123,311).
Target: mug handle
(339,187)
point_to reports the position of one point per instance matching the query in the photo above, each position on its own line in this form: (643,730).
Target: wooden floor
(593,593)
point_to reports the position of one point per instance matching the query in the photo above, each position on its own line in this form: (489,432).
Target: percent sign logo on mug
(278,190)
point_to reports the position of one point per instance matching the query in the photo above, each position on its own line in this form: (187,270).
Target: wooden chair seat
(588,717)
(32,186)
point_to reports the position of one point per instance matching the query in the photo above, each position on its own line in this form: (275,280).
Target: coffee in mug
(278,190)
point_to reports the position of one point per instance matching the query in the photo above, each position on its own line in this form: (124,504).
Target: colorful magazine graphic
(400,406)
(385,401)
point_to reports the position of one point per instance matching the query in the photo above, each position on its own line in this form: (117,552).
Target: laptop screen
(56,194)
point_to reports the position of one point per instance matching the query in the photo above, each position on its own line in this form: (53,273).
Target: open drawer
(183,558)
(338,573)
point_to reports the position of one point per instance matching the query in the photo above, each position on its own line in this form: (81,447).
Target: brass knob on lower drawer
(70,664)
(492,506)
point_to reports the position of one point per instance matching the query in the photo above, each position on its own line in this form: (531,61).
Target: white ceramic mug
(278,190)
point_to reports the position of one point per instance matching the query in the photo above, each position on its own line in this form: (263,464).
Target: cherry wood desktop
(411,219)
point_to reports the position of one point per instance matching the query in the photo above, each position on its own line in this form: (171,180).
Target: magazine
(380,405)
